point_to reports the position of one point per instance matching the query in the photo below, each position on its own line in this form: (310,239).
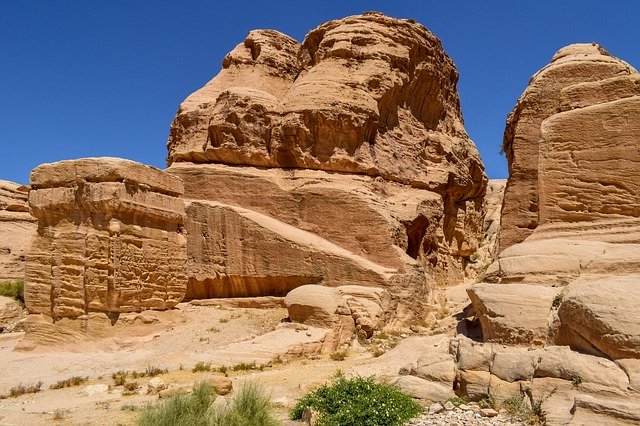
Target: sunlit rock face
(355,136)
(110,239)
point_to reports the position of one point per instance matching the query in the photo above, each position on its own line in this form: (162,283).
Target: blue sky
(105,78)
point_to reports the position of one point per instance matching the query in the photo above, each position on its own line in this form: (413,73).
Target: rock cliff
(17,227)
(354,135)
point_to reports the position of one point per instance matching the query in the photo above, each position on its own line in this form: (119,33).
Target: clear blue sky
(104,78)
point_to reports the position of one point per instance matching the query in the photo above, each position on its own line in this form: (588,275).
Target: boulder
(425,390)
(110,239)
(513,313)
(11,312)
(223,385)
(316,305)
(532,152)
(588,409)
(562,363)
(604,312)
(17,228)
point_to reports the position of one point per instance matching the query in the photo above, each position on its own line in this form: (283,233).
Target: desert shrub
(13,289)
(557,301)
(488,401)
(201,366)
(577,380)
(153,371)
(518,409)
(339,355)
(250,407)
(247,366)
(358,401)
(131,386)
(22,389)
(187,410)
(120,377)
(455,400)
(67,383)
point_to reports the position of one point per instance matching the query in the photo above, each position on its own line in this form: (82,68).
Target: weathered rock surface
(11,312)
(513,313)
(109,240)
(593,169)
(366,94)
(17,228)
(392,225)
(605,313)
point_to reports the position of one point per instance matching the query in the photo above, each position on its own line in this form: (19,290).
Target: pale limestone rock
(563,363)
(513,313)
(528,150)
(604,312)
(110,239)
(436,367)
(513,363)
(11,312)
(425,390)
(473,385)
(223,385)
(470,355)
(596,410)
(631,367)
(17,228)
(316,305)
(155,386)
(94,389)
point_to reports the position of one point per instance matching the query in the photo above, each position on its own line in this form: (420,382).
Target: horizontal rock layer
(17,228)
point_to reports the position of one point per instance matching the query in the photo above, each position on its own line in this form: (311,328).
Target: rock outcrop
(355,135)
(17,228)
(110,239)
(597,92)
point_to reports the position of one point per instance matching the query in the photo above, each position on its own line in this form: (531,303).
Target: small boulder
(222,385)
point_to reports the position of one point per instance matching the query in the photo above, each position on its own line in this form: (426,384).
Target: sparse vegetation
(224,320)
(60,414)
(557,301)
(488,402)
(13,289)
(213,330)
(22,390)
(201,366)
(536,404)
(250,406)
(457,401)
(576,381)
(339,355)
(243,366)
(153,371)
(474,257)
(70,382)
(129,407)
(120,377)
(518,409)
(377,351)
(131,386)
(358,401)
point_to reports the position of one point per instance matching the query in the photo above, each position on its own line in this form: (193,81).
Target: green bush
(250,407)
(358,401)
(13,289)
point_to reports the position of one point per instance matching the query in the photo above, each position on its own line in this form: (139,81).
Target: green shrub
(557,301)
(358,401)
(250,407)
(13,289)
(120,377)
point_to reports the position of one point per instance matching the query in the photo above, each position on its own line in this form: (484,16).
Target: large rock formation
(17,227)
(110,239)
(394,194)
(578,76)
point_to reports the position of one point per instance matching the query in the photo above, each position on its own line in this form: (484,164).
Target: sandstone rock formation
(358,136)
(17,227)
(586,79)
(110,240)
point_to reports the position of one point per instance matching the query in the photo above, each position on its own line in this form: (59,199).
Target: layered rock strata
(17,227)
(598,92)
(110,239)
(354,135)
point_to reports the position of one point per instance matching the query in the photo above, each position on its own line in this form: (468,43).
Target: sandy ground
(209,334)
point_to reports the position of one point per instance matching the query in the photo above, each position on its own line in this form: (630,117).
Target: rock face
(17,227)
(110,239)
(366,94)
(599,93)
(358,136)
